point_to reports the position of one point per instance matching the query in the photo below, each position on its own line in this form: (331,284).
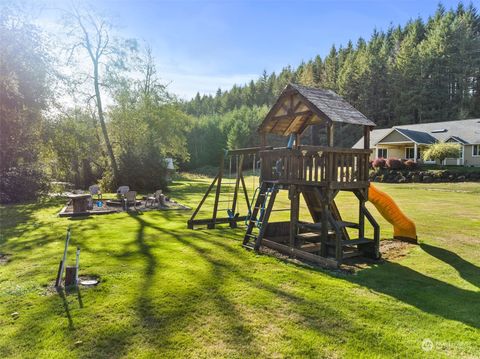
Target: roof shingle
(332,105)
(466,130)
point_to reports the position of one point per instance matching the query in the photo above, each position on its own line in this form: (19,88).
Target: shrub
(379,163)
(20,184)
(142,172)
(107,182)
(394,164)
(410,165)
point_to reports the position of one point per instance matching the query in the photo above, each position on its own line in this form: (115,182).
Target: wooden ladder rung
(352,242)
(347,224)
(350,254)
(311,247)
(308,235)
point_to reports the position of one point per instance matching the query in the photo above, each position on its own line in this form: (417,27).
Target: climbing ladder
(258,217)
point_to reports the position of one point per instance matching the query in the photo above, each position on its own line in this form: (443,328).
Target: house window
(382,153)
(409,153)
(476,150)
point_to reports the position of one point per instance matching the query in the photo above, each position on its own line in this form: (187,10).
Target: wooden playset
(318,173)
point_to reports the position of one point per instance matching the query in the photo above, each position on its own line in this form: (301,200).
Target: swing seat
(232,215)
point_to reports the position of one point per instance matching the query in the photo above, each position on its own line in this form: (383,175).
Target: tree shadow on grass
(315,315)
(164,323)
(16,219)
(468,271)
(62,293)
(239,332)
(426,293)
(178,318)
(143,305)
(423,292)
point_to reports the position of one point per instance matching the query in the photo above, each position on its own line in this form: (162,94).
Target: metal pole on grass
(77,263)
(62,265)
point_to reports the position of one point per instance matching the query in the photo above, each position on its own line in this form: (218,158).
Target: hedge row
(393,163)
(405,176)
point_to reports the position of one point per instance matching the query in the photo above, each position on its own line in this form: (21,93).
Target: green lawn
(171,292)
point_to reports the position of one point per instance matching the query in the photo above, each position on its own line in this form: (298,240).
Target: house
(408,141)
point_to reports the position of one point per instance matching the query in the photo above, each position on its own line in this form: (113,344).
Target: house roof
(417,136)
(457,139)
(465,131)
(299,106)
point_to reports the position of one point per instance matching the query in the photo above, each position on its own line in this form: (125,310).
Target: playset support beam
(217,192)
(294,197)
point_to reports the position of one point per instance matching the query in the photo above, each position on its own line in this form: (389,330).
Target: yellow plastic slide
(403,227)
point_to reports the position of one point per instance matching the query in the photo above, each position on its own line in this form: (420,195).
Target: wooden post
(245,193)
(239,163)
(314,135)
(366,137)
(330,135)
(324,220)
(217,193)
(190,222)
(77,264)
(294,214)
(237,182)
(70,275)
(57,281)
(263,140)
(297,140)
(64,258)
(361,218)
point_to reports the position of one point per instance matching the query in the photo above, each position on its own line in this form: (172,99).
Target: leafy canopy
(441,151)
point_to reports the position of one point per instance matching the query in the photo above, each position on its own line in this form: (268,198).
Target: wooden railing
(338,167)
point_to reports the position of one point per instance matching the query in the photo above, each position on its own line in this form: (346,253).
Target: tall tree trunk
(101,118)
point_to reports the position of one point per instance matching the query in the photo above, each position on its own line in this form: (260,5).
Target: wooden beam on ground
(220,220)
(322,261)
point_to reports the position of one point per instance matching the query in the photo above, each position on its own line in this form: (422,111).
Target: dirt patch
(115,206)
(85,281)
(390,249)
(393,249)
(4,258)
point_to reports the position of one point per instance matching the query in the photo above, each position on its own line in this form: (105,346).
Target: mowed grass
(167,291)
